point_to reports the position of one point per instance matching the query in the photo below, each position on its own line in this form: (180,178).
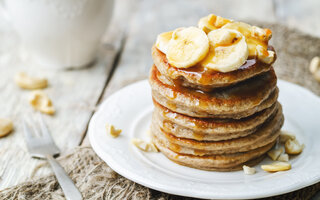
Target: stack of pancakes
(212,120)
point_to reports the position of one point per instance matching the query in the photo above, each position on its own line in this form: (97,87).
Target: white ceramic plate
(130,109)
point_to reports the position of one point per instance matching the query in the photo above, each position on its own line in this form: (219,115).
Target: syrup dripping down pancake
(238,101)
(205,79)
(264,135)
(226,162)
(208,128)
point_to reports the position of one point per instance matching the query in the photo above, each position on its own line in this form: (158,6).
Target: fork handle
(67,185)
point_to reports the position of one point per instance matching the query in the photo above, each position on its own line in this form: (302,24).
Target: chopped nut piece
(276,166)
(316,75)
(40,101)
(27,82)
(269,59)
(141,144)
(284,136)
(248,170)
(144,146)
(114,132)
(275,153)
(314,65)
(284,157)
(315,68)
(153,147)
(265,55)
(293,146)
(6,127)
(262,34)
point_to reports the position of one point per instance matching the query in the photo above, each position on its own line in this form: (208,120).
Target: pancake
(210,112)
(266,134)
(224,162)
(208,128)
(250,163)
(203,78)
(238,101)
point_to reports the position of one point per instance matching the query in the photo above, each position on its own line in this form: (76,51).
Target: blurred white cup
(60,33)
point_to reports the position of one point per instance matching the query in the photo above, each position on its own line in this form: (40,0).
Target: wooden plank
(303,15)
(74,94)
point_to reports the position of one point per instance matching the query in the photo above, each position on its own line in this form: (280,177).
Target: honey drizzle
(174,147)
(199,152)
(167,126)
(204,98)
(198,136)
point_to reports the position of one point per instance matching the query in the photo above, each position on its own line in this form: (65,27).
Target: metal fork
(41,145)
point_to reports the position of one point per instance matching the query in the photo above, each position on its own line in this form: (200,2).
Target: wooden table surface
(124,58)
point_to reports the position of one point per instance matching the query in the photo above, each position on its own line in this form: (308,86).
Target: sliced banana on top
(256,38)
(250,31)
(163,41)
(243,28)
(228,50)
(212,22)
(187,47)
(225,48)
(246,30)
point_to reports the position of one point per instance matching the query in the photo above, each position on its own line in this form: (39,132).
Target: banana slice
(187,47)
(207,23)
(256,38)
(163,41)
(243,28)
(228,50)
(250,31)
(212,22)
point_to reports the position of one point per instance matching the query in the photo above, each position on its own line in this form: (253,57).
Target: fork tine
(46,133)
(27,132)
(44,128)
(34,127)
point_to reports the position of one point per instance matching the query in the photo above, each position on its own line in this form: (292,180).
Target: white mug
(60,33)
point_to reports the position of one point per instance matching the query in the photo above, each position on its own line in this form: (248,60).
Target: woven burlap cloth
(97,181)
